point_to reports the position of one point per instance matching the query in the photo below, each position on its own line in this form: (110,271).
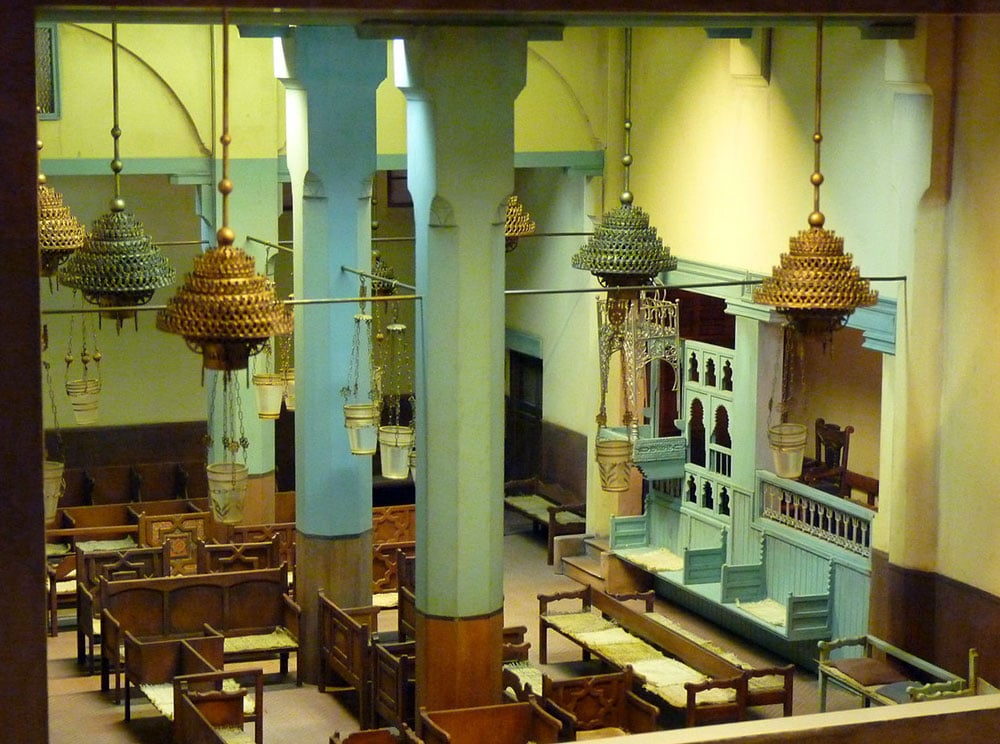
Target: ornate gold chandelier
(517,223)
(625,250)
(59,231)
(118,264)
(816,287)
(225,311)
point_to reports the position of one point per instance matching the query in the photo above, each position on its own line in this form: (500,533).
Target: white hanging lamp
(361,416)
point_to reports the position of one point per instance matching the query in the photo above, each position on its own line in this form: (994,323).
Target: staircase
(595,565)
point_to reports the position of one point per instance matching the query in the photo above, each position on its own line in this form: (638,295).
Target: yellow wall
(968,425)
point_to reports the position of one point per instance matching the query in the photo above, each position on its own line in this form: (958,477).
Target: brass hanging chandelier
(816,287)
(517,223)
(59,231)
(225,311)
(625,250)
(118,265)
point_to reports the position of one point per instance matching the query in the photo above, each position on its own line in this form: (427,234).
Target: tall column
(460,86)
(330,104)
(23,694)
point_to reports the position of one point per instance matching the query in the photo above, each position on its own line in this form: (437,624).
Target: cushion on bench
(161,695)
(654,560)
(578,622)
(233,735)
(121,543)
(665,678)
(277,640)
(755,684)
(867,671)
(769,610)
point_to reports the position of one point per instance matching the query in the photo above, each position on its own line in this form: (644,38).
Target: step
(586,569)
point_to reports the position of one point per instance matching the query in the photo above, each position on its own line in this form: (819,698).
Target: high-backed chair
(829,470)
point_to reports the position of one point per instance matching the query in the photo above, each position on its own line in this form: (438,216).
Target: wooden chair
(828,472)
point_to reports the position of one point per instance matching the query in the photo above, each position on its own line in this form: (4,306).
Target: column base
(459,661)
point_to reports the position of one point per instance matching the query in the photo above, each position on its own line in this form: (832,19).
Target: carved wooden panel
(394,524)
(180,533)
(385,557)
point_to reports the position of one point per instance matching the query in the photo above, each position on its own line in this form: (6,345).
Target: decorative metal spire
(225,310)
(625,250)
(118,264)
(816,287)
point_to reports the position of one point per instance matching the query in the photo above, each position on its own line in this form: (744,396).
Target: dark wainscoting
(935,617)
(564,458)
(125,461)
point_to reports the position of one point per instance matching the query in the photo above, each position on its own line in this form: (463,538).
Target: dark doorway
(523,431)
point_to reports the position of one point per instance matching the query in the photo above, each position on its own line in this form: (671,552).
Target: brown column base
(342,567)
(459,661)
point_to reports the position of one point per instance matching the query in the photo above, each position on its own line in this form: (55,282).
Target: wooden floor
(78,712)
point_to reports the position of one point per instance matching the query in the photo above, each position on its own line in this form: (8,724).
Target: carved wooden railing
(812,512)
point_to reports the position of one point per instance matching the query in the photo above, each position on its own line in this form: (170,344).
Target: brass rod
(393,282)
(317,301)
(269,244)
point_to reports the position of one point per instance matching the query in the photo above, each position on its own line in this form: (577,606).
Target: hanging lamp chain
(225,233)
(55,412)
(626,196)
(116,132)
(817,219)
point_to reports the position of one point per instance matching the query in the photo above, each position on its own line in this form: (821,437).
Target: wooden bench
(549,506)
(385,560)
(635,540)
(886,675)
(805,616)
(602,705)
(113,565)
(252,609)
(507,723)
(402,735)
(687,674)
(167,671)
(246,556)
(394,683)
(346,639)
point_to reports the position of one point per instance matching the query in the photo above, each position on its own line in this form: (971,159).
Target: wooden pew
(403,735)
(215,557)
(113,565)
(155,663)
(603,705)
(886,675)
(346,650)
(771,685)
(507,723)
(394,683)
(214,716)
(252,609)
(549,506)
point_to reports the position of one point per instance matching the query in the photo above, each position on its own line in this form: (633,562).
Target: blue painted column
(460,85)
(330,107)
